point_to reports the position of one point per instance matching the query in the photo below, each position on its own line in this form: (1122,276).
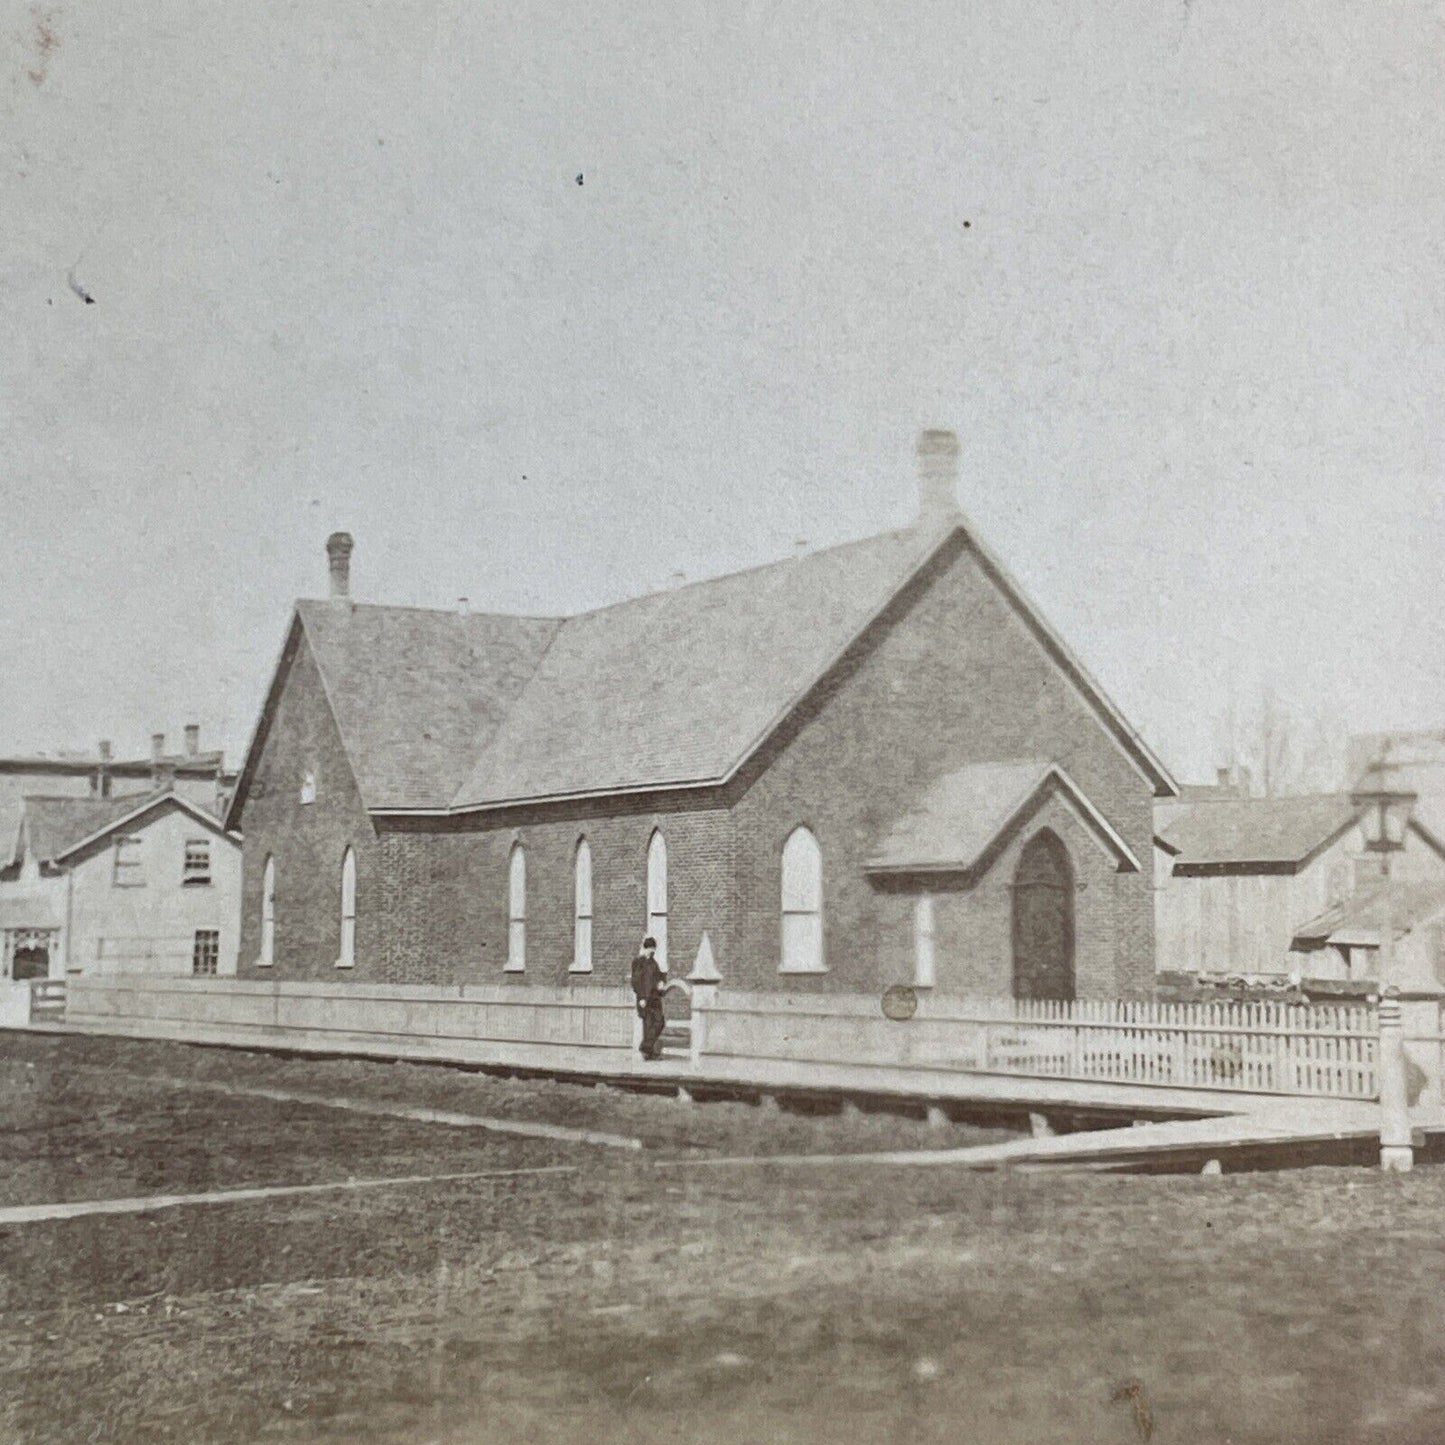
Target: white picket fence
(1266,1048)
(1300,1049)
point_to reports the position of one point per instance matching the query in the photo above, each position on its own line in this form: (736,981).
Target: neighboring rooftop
(54,826)
(1280,834)
(1360,919)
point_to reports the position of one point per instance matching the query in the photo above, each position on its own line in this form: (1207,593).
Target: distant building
(866,765)
(1344,940)
(130,883)
(200,776)
(1236,878)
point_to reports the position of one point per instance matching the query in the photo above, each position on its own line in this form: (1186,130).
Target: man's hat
(649,942)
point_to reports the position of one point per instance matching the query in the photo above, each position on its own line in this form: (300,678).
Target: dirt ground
(645,1297)
(90,1064)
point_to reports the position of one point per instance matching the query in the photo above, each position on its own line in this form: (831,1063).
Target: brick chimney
(100,783)
(163,769)
(937,477)
(338,559)
(193,739)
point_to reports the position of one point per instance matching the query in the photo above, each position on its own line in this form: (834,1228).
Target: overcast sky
(544,302)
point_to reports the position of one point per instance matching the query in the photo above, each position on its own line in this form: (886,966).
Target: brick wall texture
(951,675)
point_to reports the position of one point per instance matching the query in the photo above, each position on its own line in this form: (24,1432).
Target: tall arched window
(657,893)
(268,913)
(517,910)
(582,909)
(348,910)
(802,904)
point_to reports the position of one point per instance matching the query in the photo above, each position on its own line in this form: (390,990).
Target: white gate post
(704,979)
(1396,1148)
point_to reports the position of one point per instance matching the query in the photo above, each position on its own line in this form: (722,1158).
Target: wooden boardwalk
(1291,1132)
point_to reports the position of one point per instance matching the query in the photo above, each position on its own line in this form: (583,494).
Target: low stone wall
(522,1027)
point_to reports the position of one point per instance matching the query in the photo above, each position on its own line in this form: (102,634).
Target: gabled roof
(52,825)
(55,828)
(676,688)
(417,694)
(1359,921)
(446,712)
(679,689)
(1278,834)
(965,815)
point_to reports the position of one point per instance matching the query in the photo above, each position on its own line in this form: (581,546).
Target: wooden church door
(1043,921)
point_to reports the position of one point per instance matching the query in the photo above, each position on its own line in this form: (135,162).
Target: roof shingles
(676,687)
(55,825)
(1253,830)
(447,711)
(418,693)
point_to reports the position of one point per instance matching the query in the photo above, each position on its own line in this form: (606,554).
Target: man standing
(648,978)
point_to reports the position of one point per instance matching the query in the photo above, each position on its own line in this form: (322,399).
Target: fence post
(704,979)
(1396,1150)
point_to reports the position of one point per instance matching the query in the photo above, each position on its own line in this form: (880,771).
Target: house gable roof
(1358,921)
(442,712)
(56,829)
(1271,834)
(50,826)
(966,815)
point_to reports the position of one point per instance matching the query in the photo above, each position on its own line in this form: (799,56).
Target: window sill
(264,963)
(195,882)
(343,963)
(580,968)
(514,968)
(795,970)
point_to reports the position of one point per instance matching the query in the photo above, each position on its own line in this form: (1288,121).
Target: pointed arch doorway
(1043,920)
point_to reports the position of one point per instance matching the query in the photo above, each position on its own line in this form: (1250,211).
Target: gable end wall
(307,840)
(956,678)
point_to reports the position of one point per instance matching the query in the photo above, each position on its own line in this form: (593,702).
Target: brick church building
(867,765)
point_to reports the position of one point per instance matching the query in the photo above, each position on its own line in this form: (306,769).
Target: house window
(205,952)
(127,869)
(923,965)
(517,910)
(657,894)
(197,867)
(348,910)
(268,914)
(802,904)
(582,909)
(308,786)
